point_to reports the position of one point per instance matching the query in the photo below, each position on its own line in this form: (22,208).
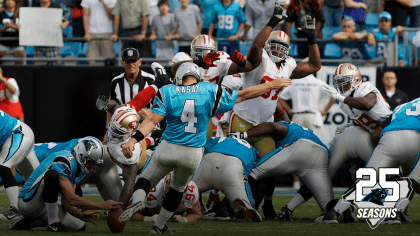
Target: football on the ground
(114,225)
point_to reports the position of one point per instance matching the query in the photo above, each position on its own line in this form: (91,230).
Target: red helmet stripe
(204,38)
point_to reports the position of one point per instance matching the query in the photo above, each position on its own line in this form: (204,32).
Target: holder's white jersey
(368,120)
(262,108)
(116,154)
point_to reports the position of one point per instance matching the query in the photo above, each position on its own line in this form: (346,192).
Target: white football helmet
(123,122)
(89,149)
(347,77)
(185,69)
(278,46)
(201,45)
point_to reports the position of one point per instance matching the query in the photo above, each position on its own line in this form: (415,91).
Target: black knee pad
(7,177)
(144,184)
(52,186)
(172,200)
(305,192)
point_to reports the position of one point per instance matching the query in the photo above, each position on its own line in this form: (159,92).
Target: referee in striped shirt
(126,86)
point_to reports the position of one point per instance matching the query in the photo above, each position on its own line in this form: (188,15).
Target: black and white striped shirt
(122,92)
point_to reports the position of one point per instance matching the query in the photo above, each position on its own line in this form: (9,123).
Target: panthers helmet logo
(377,196)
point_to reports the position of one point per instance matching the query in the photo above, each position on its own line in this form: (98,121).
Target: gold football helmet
(347,77)
(201,45)
(123,122)
(278,46)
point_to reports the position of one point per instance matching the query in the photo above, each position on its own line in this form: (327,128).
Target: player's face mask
(344,84)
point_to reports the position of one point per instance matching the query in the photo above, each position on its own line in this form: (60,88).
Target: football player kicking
(124,122)
(269,57)
(365,105)
(16,150)
(298,151)
(398,146)
(225,167)
(189,203)
(58,174)
(188,107)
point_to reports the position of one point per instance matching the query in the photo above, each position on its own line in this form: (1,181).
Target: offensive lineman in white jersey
(367,108)
(269,56)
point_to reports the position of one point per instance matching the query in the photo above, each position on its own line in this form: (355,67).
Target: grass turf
(303,224)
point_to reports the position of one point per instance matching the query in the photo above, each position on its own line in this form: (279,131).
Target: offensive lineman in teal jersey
(298,151)
(225,167)
(16,150)
(188,107)
(59,173)
(398,146)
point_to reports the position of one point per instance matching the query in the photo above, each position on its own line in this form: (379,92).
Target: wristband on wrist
(200,62)
(273,22)
(311,41)
(241,64)
(138,136)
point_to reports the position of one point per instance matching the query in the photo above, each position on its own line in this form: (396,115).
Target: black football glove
(309,29)
(238,135)
(277,15)
(102,103)
(162,80)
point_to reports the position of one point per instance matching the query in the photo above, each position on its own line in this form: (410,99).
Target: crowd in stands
(350,29)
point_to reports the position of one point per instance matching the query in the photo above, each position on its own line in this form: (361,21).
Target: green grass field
(303,224)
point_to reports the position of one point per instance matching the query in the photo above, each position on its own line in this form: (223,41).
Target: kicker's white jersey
(157,194)
(368,120)
(116,153)
(212,74)
(262,108)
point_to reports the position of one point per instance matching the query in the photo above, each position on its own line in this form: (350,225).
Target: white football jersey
(368,120)
(214,74)
(116,153)
(261,109)
(157,194)
(233,82)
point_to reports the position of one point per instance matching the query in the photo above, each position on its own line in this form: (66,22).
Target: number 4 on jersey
(188,116)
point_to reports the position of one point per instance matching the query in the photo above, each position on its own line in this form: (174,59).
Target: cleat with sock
(393,221)
(404,217)
(330,217)
(58,227)
(268,211)
(165,230)
(212,201)
(319,219)
(244,213)
(285,214)
(13,213)
(130,211)
(349,215)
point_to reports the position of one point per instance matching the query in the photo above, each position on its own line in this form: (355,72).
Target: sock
(268,199)
(52,212)
(296,201)
(164,216)
(139,195)
(13,193)
(342,205)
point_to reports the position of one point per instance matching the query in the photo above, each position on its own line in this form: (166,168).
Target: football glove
(308,29)
(102,103)
(333,92)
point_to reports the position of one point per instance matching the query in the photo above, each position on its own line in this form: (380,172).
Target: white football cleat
(130,211)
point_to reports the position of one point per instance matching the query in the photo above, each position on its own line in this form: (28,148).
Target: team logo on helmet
(134,124)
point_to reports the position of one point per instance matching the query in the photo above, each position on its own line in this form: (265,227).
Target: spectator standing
(356,9)
(9,97)
(297,11)
(97,22)
(332,12)
(134,18)
(51,52)
(230,20)
(398,10)
(189,24)
(393,95)
(372,6)
(127,85)
(77,18)
(207,14)
(163,24)
(385,30)
(9,27)
(257,13)
(414,13)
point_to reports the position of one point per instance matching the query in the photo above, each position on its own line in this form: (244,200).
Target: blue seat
(29,51)
(332,51)
(116,48)
(293,50)
(83,50)
(327,32)
(370,51)
(408,54)
(372,19)
(71,49)
(294,32)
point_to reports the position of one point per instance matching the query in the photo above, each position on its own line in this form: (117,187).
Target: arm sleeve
(111,4)
(84,4)
(224,101)
(143,98)
(145,8)
(214,16)
(249,14)
(116,10)
(198,15)
(241,16)
(158,105)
